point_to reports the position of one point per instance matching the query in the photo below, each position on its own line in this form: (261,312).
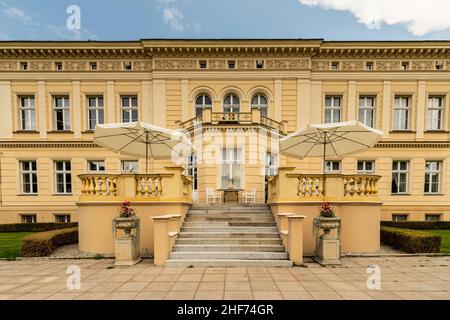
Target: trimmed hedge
(411,241)
(35,227)
(42,244)
(418,225)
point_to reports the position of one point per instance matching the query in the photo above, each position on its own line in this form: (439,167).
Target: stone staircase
(229,236)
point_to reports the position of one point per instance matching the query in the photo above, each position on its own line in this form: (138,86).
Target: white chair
(212,196)
(250,196)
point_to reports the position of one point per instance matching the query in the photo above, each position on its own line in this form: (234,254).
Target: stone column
(386,112)
(352,112)
(146,103)
(6,120)
(295,243)
(159,102)
(42,110)
(161,240)
(110,100)
(421,110)
(277,99)
(303,102)
(185,109)
(76,109)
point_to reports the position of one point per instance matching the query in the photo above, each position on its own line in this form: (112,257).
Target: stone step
(215,224)
(229,206)
(215,218)
(227,263)
(232,241)
(230,213)
(228,247)
(228,234)
(229,229)
(226,255)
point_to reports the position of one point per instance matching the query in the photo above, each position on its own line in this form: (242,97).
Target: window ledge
(88,131)
(28,194)
(433,194)
(60,131)
(402,131)
(436,131)
(400,194)
(63,194)
(26,131)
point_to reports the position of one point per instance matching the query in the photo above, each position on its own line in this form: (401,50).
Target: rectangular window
(62,218)
(93,66)
(402,112)
(96,166)
(435,113)
(439,65)
(28,175)
(58,66)
(61,113)
(332,109)
(192,170)
(96,113)
(432,177)
(432,217)
(366,167)
(271,164)
(231,64)
(28,218)
(405,65)
(335,65)
(127,65)
(129,106)
(24,66)
(332,166)
(259,64)
(400,176)
(367,111)
(231,168)
(27,113)
(203,64)
(400,217)
(369,65)
(130,166)
(63,177)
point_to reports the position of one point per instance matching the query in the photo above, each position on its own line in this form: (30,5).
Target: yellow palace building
(52,95)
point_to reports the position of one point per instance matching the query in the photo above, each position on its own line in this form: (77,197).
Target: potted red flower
(127,219)
(327,219)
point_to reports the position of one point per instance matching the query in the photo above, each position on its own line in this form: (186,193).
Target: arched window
(231,103)
(202,101)
(260,101)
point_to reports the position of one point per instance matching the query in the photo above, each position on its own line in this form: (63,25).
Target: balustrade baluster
(160,188)
(103,186)
(153,179)
(320,188)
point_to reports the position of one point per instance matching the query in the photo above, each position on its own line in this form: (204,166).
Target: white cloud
(174,18)
(419,16)
(15,13)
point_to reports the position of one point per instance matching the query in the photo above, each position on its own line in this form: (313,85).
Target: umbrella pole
(146,152)
(324,155)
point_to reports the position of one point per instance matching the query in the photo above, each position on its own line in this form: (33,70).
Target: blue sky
(137,19)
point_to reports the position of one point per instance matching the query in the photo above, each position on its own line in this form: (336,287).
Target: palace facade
(52,95)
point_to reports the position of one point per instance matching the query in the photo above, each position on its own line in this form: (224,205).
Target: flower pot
(125,224)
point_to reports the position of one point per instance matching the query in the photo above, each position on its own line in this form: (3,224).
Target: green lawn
(10,243)
(445,239)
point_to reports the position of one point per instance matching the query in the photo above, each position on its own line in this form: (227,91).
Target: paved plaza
(401,278)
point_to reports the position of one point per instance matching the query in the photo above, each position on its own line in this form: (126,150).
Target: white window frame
(66,217)
(332,109)
(124,162)
(400,109)
(192,170)
(27,113)
(395,215)
(200,106)
(368,112)
(258,102)
(231,157)
(65,112)
(64,172)
(364,170)
(232,106)
(398,172)
(97,109)
(130,109)
(430,173)
(23,218)
(329,166)
(435,106)
(97,164)
(271,164)
(31,174)
(438,215)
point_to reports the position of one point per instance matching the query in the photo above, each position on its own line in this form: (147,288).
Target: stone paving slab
(403,278)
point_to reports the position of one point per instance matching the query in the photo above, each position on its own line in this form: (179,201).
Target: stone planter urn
(328,245)
(126,233)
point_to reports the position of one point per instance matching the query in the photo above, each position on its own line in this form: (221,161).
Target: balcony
(208,118)
(289,187)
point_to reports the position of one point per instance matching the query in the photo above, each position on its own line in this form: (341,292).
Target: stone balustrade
(298,187)
(208,117)
(171,185)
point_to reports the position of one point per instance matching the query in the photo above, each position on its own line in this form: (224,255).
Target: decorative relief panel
(110,65)
(142,66)
(320,65)
(246,64)
(8,66)
(40,65)
(287,64)
(387,65)
(217,64)
(422,65)
(175,64)
(352,65)
(75,65)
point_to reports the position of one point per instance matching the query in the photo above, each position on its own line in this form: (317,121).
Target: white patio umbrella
(141,139)
(331,139)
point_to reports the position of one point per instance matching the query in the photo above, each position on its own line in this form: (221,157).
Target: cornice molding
(47,145)
(413,144)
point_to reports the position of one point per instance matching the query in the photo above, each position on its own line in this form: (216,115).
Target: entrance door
(270,170)
(231,168)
